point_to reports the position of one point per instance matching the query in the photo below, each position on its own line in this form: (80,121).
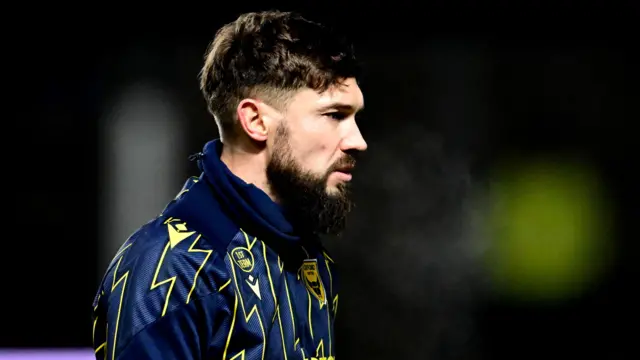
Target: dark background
(454,91)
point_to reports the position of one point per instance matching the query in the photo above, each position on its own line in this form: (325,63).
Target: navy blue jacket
(220,274)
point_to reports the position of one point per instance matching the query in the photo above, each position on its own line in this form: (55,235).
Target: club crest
(312,279)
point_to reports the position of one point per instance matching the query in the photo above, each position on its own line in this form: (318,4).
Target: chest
(296,304)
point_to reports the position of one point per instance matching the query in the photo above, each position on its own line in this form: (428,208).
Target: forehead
(345,95)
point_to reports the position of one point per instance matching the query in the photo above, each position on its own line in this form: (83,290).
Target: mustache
(347,162)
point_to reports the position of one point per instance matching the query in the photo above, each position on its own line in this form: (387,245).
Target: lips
(344,176)
(345,165)
(345,170)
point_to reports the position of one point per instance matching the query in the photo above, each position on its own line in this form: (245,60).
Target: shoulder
(163,267)
(168,251)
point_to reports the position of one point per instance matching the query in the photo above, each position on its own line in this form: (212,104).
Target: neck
(247,162)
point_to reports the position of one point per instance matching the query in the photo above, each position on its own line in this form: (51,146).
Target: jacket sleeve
(183,334)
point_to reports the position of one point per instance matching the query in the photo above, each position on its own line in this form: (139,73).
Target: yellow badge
(243,258)
(312,279)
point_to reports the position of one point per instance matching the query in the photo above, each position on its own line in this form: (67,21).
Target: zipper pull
(196,156)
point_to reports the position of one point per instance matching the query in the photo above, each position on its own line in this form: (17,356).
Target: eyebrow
(341,107)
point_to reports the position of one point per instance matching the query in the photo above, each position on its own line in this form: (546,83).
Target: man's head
(284,89)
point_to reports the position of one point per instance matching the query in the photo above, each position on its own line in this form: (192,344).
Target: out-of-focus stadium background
(496,206)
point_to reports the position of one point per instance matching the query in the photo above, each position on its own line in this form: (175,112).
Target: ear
(251,119)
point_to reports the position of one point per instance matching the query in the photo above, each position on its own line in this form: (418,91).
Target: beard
(303,195)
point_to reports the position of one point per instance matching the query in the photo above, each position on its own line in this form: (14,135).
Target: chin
(338,189)
(332,190)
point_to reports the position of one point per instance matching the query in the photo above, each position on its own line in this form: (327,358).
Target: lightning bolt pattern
(208,253)
(171,281)
(247,316)
(273,318)
(120,280)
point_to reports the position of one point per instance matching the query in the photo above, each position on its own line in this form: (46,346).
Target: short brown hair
(270,55)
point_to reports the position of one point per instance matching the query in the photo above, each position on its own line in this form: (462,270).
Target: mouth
(344,173)
(345,169)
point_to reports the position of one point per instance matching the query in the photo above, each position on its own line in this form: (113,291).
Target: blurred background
(496,204)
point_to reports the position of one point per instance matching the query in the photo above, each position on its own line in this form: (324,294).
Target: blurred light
(53,354)
(549,226)
(143,139)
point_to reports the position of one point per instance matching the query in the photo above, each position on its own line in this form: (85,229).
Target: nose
(354,140)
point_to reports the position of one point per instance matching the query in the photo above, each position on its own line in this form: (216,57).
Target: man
(233,267)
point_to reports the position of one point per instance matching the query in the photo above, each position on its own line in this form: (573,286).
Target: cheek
(307,142)
(314,157)
(314,145)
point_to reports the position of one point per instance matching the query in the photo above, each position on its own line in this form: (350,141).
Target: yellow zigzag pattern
(122,279)
(247,317)
(206,258)
(176,235)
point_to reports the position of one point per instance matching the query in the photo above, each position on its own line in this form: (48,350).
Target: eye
(337,115)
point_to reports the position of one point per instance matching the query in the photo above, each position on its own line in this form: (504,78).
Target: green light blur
(549,225)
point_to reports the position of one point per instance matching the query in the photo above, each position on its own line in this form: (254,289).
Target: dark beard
(304,196)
